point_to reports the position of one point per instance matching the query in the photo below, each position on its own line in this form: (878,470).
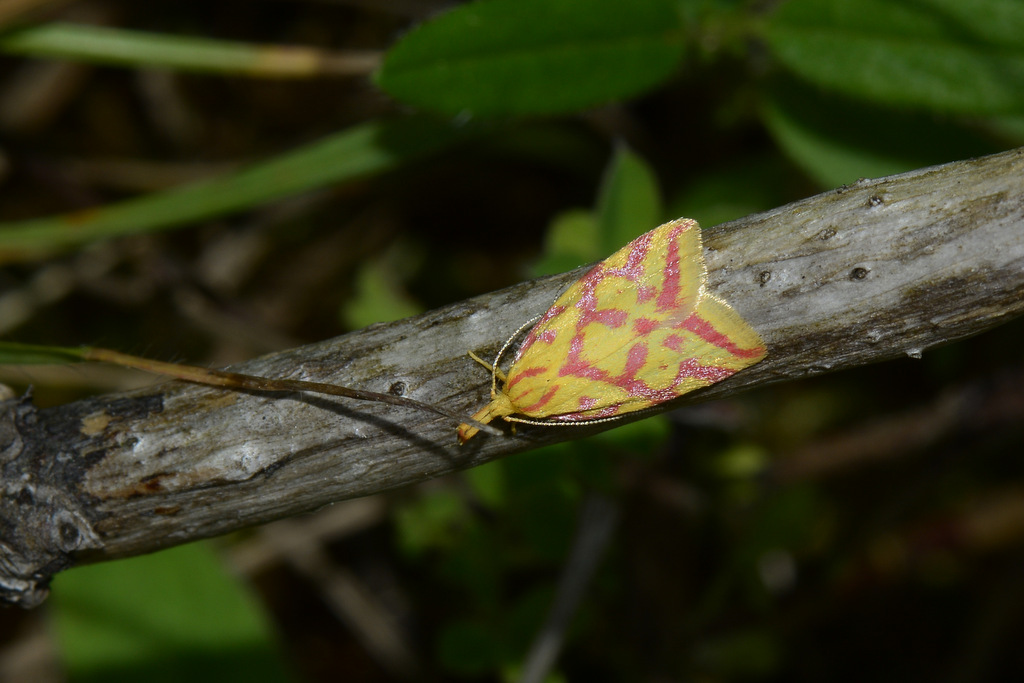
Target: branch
(876,270)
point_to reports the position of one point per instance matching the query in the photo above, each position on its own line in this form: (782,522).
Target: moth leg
(490,368)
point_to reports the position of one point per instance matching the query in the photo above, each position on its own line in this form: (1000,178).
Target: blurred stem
(138,49)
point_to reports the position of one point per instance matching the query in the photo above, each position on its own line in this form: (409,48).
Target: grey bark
(879,269)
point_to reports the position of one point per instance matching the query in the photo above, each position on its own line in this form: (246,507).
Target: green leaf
(16,353)
(838,141)
(946,55)
(358,152)
(636,438)
(543,500)
(740,461)
(173,616)
(629,203)
(748,185)
(468,648)
(432,521)
(105,45)
(739,655)
(379,295)
(558,143)
(515,57)
(1009,128)
(488,483)
(571,242)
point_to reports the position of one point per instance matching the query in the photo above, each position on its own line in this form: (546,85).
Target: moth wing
(710,345)
(586,357)
(723,336)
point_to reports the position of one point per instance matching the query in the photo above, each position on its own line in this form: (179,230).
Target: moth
(639,329)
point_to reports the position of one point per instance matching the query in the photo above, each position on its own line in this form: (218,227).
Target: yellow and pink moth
(638,329)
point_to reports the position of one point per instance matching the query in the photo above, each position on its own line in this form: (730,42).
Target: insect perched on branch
(638,329)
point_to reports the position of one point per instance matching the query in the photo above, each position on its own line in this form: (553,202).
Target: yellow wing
(637,330)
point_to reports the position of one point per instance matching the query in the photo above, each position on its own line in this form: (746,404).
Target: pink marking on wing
(587,305)
(671,291)
(703,329)
(525,346)
(538,331)
(549,314)
(636,387)
(668,299)
(645,293)
(548,335)
(575,345)
(524,374)
(644,326)
(643,392)
(690,368)
(609,317)
(597,415)
(633,269)
(575,366)
(542,402)
(635,360)
(587,300)
(587,402)
(673,342)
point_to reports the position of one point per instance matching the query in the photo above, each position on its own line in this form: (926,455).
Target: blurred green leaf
(571,241)
(468,648)
(172,616)
(634,439)
(488,483)
(431,521)
(526,615)
(741,461)
(838,141)
(543,497)
(121,47)
(545,516)
(379,295)
(477,563)
(357,152)
(629,202)
(739,655)
(515,57)
(782,524)
(557,143)
(511,673)
(1010,128)
(786,519)
(945,55)
(746,186)
(628,205)
(16,353)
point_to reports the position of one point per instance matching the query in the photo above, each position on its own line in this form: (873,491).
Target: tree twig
(857,275)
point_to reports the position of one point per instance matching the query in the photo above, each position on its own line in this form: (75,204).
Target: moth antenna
(563,423)
(501,352)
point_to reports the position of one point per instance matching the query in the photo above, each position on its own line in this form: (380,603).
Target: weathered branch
(872,271)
